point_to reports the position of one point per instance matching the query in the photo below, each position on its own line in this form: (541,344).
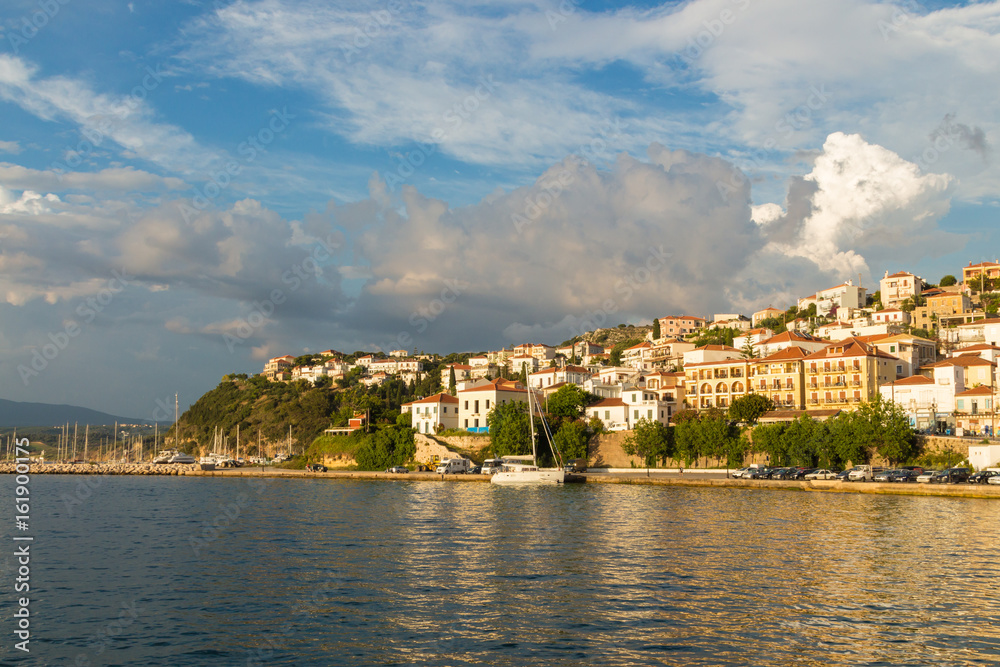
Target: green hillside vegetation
(259,406)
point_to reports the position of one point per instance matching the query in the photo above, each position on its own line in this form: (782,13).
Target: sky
(190,188)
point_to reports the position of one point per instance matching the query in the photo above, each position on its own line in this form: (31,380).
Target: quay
(689,478)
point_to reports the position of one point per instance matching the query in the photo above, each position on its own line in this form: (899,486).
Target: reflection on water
(319,572)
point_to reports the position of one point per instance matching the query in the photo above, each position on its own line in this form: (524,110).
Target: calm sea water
(322,572)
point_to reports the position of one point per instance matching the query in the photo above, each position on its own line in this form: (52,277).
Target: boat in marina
(182,458)
(165,455)
(524,470)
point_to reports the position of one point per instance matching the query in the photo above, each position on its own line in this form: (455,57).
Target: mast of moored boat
(86,441)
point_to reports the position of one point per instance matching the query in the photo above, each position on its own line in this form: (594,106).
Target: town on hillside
(930,349)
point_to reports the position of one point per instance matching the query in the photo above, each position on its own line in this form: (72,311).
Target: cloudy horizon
(186,191)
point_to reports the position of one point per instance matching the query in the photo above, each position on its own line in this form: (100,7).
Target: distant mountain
(16,414)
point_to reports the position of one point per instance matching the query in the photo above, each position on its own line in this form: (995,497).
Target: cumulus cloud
(10,147)
(860,205)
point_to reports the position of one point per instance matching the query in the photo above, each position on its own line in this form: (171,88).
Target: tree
(749,351)
(510,430)
(656,328)
(948,281)
(452,382)
(388,447)
(768,438)
(884,425)
(568,402)
(749,408)
(524,374)
(650,440)
(571,439)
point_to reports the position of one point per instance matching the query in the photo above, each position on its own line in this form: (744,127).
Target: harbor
(654,477)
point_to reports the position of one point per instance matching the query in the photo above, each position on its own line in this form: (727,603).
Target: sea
(209,571)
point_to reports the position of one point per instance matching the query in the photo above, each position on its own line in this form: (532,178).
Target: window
(650,414)
(466,407)
(466,422)
(899,369)
(487,404)
(636,413)
(607,414)
(961,404)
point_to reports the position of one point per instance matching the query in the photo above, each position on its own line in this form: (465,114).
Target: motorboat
(182,458)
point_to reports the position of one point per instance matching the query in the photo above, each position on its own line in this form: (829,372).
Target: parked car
(576,465)
(886,476)
(476,470)
(843,476)
(904,475)
(759,473)
(995,479)
(982,477)
(952,476)
(926,476)
(800,473)
(316,467)
(822,473)
(398,470)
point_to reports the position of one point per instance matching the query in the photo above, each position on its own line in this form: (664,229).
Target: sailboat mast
(86,441)
(531,422)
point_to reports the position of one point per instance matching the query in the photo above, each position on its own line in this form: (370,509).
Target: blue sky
(193,187)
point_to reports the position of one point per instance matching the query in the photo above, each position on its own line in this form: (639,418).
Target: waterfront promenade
(689,478)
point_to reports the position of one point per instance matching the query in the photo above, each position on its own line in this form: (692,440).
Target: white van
(453,466)
(491,466)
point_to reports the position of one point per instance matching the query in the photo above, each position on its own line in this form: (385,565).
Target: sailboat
(524,470)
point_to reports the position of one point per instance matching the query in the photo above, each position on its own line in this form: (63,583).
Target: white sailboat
(524,470)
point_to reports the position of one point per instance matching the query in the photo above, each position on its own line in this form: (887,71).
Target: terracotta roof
(901,274)
(976,348)
(977,391)
(963,360)
(436,398)
(461,367)
(978,323)
(913,379)
(852,347)
(792,353)
(973,266)
(791,337)
(717,348)
(608,403)
(641,345)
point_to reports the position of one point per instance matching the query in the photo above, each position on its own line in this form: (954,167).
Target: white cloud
(125,179)
(10,147)
(125,120)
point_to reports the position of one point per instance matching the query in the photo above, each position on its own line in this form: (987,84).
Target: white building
(434,413)
(475,402)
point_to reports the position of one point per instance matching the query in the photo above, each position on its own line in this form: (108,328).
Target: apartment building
(780,377)
(846,373)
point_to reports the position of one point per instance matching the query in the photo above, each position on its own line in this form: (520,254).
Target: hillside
(265,410)
(608,338)
(18,414)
